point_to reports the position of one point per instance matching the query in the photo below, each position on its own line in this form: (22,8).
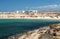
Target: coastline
(17,35)
(31,18)
(39,33)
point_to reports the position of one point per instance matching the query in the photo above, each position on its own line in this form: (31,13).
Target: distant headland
(30,14)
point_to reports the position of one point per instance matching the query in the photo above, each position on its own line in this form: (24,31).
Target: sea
(12,26)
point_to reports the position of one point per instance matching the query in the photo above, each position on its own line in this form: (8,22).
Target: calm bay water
(12,26)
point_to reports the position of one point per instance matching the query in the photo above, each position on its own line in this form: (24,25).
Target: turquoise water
(13,26)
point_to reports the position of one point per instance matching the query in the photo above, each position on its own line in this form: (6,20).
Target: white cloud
(55,7)
(48,6)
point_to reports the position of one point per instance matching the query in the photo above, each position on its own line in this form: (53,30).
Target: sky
(13,5)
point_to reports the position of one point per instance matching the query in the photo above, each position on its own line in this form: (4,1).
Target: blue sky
(13,5)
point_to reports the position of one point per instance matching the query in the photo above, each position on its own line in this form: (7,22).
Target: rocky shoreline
(52,31)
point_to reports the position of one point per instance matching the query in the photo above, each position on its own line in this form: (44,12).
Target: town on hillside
(31,14)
